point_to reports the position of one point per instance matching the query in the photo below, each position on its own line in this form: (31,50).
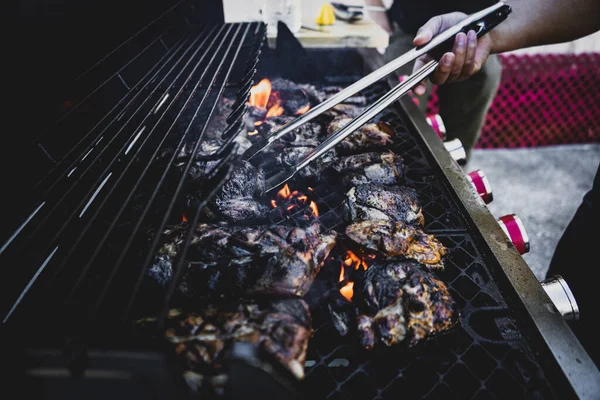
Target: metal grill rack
(485,356)
(97,211)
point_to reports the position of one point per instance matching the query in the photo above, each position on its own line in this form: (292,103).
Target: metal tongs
(481,22)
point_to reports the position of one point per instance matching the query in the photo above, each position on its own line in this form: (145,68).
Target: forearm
(540,22)
(380,18)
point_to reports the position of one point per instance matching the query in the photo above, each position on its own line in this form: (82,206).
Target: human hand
(466,58)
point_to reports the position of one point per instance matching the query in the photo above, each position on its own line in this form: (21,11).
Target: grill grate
(100,208)
(101,211)
(484,356)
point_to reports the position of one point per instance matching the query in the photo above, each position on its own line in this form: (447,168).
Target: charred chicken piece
(235,200)
(232,261)
(377,202)
(344,111)
(291,156)
(384,168)
(369,136)
(398,302)
(398,239)
(200,340)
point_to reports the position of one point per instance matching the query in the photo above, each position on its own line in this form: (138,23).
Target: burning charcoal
(253,117)
(243,144)
(377,202)
(235,202)
(398,239)
(400,301)
(231,261)
(198,169)
(378,168)
(218,122)
(369,136)
(201,340)
(315,96)
(342,314)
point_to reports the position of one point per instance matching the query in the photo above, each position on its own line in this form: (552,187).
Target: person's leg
(464,105)
(575,259)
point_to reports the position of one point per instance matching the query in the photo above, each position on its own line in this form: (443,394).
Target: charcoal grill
(71,285)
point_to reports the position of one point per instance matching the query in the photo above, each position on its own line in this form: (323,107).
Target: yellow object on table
(326,15)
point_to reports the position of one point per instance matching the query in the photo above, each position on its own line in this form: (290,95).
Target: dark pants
(577,261)
(462,105)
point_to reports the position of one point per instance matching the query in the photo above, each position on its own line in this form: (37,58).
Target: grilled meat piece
(291,156)
(200,340)
(398,239)
(231,261)
(391,203)
(400,301)
(368,136)
(384,168)
(344,111)
(235,200)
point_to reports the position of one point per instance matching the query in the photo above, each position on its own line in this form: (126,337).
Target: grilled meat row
(398,239)
(200,340)
(225,261)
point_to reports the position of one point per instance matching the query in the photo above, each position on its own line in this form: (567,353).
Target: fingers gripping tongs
(481,22)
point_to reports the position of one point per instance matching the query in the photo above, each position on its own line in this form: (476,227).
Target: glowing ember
(314,209)
(254,132)
(274,111)
(260,93)
(303,110)
(294,201)
(352,259)
(284,193)
(184,218)
(348,291)
(342,275)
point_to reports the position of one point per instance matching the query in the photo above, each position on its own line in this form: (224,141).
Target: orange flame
(314,209)
(184,218)
(260,93)
(254,132)
(284,193)
(275,111)
(342,275)
(303,110)
(352,259)
(348,291)
(302,200)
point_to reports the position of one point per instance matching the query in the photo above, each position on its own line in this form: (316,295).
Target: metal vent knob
(456,150)
(437,124)
(482,185)
(559,292)
(514,229)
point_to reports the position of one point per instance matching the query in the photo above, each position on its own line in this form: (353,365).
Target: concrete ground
(543,186)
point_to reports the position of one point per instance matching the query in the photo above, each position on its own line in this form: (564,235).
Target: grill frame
(567,360)
(554,341)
